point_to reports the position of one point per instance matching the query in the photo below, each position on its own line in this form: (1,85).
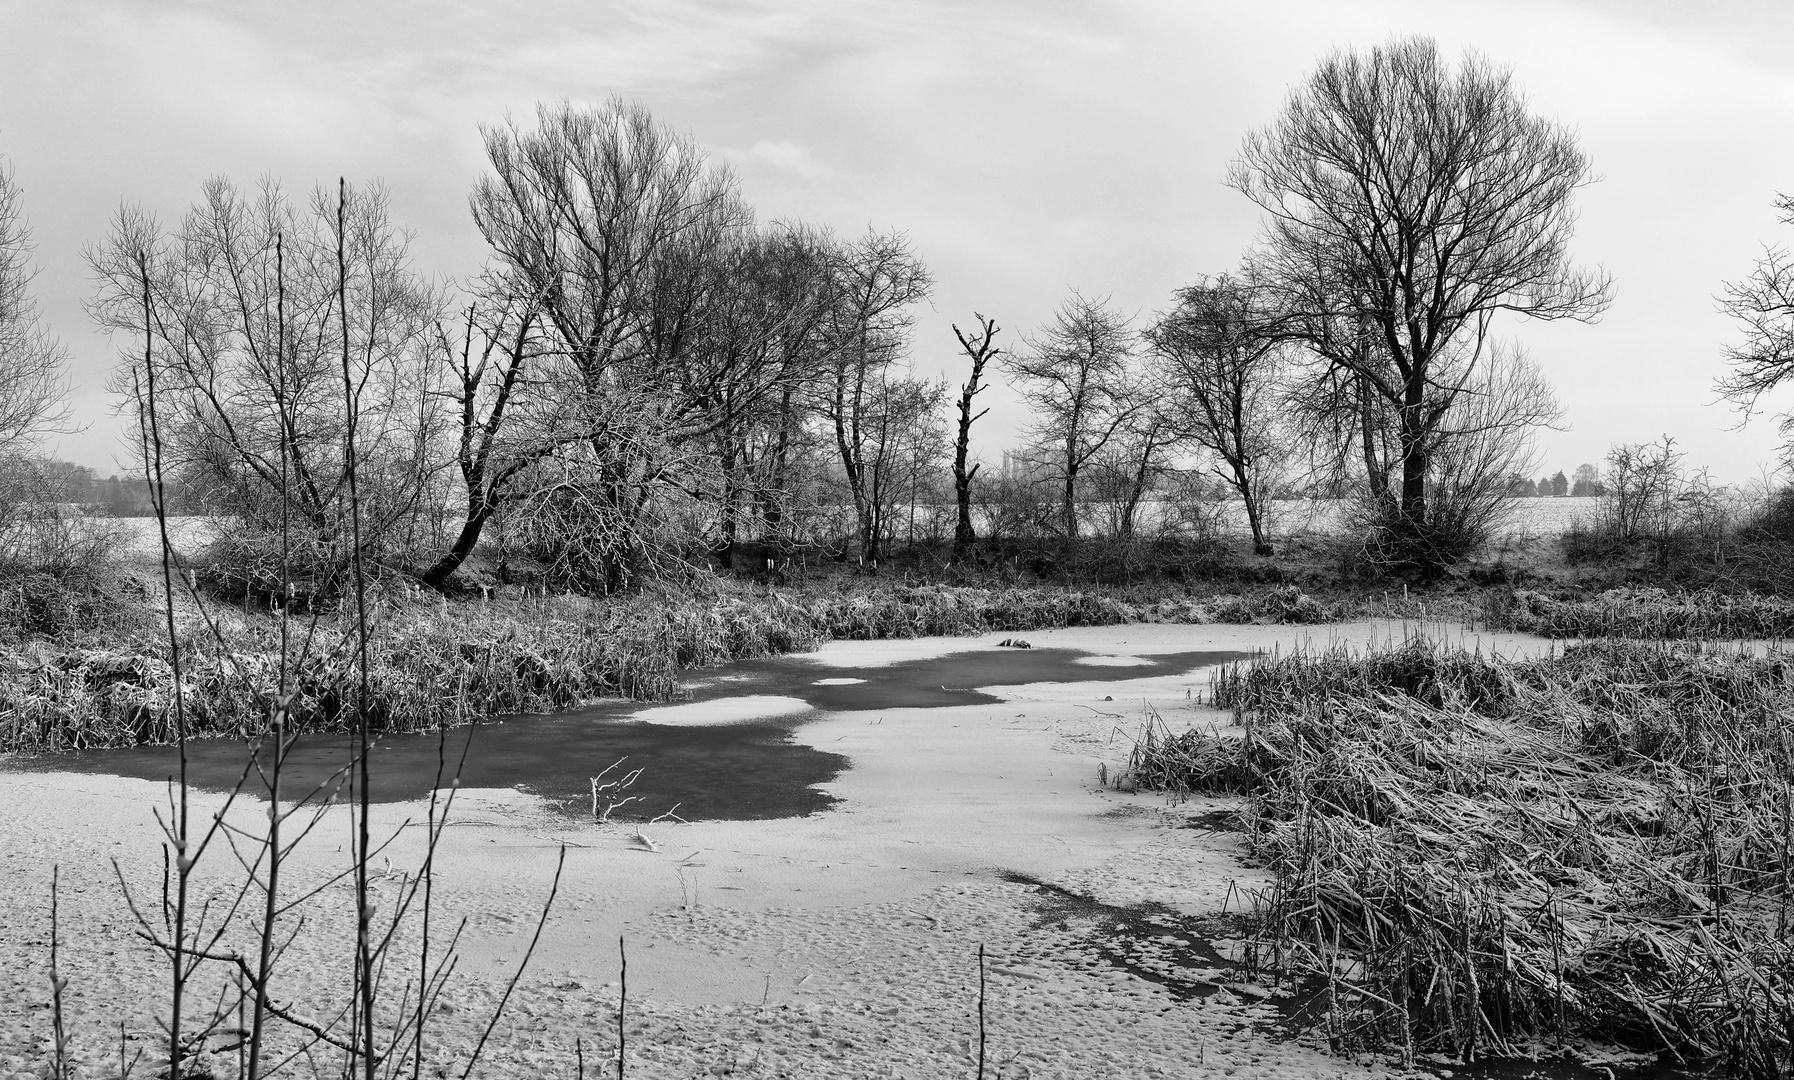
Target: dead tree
(980,348)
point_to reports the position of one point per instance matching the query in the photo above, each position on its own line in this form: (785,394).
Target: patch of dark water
(730,771)
(739,772)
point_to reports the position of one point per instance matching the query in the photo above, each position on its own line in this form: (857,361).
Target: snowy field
(1287,517)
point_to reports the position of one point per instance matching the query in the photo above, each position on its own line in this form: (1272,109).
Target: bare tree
(877,279)
(1134,461)
(1074,377)
(693,350)
(905,450)
(1643,479)
(248,320)
(615,223)
(980,348)
(32,391)
(490,377)
(762,342)
(1406,205)
(1764,304)
(1221,353)
(1586,481)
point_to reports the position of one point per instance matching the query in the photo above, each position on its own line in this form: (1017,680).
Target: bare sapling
(177,831)
(378,1028)
(622,1001)
(981,1010)
(59,1045)
(364,912)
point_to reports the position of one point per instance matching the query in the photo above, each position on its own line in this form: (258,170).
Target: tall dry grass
(1483,856)
(1648,613)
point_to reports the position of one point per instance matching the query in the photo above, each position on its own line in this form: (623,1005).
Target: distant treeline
(1584,483)
(113,496)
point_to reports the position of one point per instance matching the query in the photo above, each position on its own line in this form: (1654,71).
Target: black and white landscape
(877,540)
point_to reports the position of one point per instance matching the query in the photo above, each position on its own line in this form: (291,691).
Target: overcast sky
(1027,147)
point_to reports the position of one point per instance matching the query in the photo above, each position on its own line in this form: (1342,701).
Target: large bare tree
(615,224)
(1408,203)
(1075,376)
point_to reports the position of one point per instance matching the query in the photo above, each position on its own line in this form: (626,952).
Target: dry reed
(1476,855)
(1646,613)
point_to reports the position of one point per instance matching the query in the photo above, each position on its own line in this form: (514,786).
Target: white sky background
(1026,147)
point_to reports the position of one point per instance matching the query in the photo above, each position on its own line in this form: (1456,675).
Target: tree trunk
(1070,510)
(478,511)
(850,440)
(964,536)
(729,512)
(772,507)
(980,348)
(1260,546)
(1376,470)
(1254,517)
(1136,492)
(1414,464)
(871,524)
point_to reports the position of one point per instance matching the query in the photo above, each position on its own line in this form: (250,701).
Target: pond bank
(112,684)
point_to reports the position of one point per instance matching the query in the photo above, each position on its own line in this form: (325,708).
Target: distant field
(187,534)
(1529,517)
(1550,517)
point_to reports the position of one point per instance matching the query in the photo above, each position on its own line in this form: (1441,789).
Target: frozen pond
(960,812)
(727,753)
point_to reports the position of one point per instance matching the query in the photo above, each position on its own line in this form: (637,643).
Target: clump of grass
(67,603)
(1184,763)
(1285,604)
(1597,847)
(928,610)
(1418,668)
(1645,613)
